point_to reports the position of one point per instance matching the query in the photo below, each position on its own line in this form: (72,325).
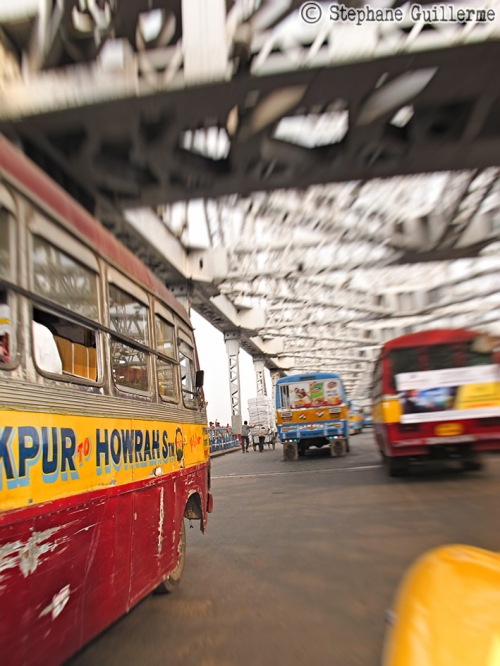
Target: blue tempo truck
(312,411)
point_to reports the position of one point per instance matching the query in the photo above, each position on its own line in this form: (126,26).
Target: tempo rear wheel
(173,580)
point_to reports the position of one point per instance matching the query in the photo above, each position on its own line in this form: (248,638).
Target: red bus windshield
(436,357)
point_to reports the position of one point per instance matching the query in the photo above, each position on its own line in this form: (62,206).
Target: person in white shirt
(262,437)
(4,330)
(47,355)
(245,432)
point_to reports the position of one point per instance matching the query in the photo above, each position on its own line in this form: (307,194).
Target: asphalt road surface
(301,560)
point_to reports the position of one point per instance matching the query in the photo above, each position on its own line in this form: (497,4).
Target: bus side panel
(51,568)
(152,546)
(386,413)
(107,581)
(382,439)
(378,424)
(15,612)
(195,483)
(67,575)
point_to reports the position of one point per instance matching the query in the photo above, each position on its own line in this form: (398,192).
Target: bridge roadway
(301,561)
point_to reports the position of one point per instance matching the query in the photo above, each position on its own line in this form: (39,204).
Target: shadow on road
(437,472)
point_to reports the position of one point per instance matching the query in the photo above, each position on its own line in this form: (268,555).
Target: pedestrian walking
(253,436)
(245,431)
(262,437)
(272,440)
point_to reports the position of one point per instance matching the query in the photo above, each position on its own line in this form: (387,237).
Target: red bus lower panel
(68,570)
(397,440)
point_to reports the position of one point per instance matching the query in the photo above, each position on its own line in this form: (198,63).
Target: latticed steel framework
(145,102)
(169,44)
(340,269)
(259,365)
(309,279)
(232,348)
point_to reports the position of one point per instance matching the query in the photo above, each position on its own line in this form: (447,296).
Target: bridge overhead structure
(188,127)
(340,269)
(146,102)
(321,278)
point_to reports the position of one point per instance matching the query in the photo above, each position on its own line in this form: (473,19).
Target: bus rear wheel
(396,466)
(173,580)
(472,464)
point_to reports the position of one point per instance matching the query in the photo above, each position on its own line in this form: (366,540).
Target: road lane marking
(304,471)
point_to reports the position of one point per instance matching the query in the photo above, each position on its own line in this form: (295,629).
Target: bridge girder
(130,123)
(317,274)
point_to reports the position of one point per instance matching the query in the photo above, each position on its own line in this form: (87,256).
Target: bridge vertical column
(258,364)
(233,349)
(274,378)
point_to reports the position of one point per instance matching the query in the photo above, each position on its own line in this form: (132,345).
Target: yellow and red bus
(104,446)
(436,394)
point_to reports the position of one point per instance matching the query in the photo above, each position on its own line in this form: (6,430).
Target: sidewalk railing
(222,438)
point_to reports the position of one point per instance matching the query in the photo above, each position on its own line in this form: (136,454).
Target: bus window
(127,315)
(60,278)
(130,318)
(5,263)
(63,347)
(6,269)
(129,366)
(376,389)
(5,328)
(406,359)
(165,341)
(165,338)
(440,357)
(473,356)
(285,396)
(186,358)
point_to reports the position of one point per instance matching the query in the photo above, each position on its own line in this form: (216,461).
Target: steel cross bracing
(144,102)
(290,254)
(128,109)
(270,270)
(259,365)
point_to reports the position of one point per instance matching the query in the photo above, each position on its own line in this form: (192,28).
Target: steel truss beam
(127,124)
(131,132)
